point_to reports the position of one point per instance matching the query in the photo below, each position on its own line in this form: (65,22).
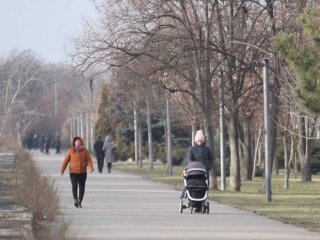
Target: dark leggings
(100,164)
(78,179)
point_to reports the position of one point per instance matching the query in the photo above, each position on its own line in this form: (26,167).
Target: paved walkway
(121,206)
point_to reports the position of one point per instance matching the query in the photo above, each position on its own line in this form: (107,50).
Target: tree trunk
(168,134)
(78,125)
(257,155)
(149,134)
(295,166)
(81,125)
(286,163)
(304,150)
(246,168)
(87,131)
(275,165)
(210,142)
(241,147)
(306,175)
(235,182)
(292,153)
(139,144)
(135,127)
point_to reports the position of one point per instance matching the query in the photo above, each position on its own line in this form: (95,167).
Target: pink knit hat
(199,136)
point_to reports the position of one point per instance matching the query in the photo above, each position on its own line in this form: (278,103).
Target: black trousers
(100,164)
(78,179)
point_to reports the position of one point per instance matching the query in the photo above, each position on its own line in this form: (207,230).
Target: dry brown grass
(40,195)
(37,192)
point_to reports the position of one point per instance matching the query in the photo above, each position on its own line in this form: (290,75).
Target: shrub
(178,155)
(40,195)
(32,189)
(218,167)
(259,172)
(124,151)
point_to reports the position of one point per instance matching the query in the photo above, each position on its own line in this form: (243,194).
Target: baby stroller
(195,189)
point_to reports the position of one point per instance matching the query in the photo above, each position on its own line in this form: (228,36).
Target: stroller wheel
(203,209)
(207,207)
(191,210)
(181,206)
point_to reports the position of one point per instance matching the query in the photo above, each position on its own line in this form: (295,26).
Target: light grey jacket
(108,147)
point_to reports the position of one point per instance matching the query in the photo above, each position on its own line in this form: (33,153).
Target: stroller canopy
(196,168)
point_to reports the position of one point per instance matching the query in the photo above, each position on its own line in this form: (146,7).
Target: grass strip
(298,205)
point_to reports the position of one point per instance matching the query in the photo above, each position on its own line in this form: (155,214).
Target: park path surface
(121,206)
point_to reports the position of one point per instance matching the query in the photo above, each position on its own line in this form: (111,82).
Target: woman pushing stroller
(199,152)
(199,157)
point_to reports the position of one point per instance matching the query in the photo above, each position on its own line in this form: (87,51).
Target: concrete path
(121,206)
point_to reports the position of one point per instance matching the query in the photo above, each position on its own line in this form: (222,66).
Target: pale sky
(45,26)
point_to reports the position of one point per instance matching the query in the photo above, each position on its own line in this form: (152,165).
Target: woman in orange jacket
(78,158)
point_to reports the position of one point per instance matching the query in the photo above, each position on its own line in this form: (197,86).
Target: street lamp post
(222,135)
(91,116)
(169,150)
(55,109)
(265,64)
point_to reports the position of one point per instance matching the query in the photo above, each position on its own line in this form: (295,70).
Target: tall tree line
(28,102)
(189,42)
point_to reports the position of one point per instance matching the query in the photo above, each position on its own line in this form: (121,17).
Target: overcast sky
(45,26)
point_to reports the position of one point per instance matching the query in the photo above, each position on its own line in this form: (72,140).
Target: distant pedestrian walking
(46,146)
(78,158)
(98,145)
(109,150)
(41,143)
(57,143)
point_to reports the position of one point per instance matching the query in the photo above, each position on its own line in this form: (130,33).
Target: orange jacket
(78,161)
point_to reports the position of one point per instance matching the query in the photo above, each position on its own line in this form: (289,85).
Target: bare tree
(190,40)
(21,82)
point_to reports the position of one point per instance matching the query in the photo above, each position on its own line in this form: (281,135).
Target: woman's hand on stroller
(184,172)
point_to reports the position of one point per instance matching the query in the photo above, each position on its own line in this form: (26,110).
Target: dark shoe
(197,210)
(76,203)
(79,203)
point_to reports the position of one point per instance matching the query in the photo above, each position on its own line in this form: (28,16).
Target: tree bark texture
(235,181)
